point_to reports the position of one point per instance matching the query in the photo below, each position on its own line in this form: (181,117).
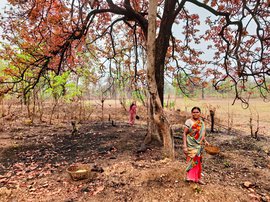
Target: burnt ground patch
(93,141)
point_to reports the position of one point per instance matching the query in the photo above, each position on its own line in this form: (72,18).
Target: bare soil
(34,159)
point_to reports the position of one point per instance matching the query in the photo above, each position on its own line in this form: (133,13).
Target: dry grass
(233,115)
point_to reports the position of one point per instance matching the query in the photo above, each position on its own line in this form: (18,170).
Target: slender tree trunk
(212,116)
(102,109)
(158,113)
(28,107)
(40,106)
(34,105)
(203,93)
(53,110)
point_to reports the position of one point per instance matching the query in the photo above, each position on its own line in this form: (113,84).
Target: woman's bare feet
(187,180)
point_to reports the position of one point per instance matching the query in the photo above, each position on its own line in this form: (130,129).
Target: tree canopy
(53,35)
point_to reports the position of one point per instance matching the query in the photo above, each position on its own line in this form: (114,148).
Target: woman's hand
(206,143)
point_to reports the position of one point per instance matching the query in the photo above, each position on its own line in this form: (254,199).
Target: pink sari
(194,155)
(132,114)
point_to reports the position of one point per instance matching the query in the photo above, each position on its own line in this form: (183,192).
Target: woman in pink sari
(193,137)
(132,113)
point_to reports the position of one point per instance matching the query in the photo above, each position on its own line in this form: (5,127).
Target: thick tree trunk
(152,131)
(158,113)
(162,45)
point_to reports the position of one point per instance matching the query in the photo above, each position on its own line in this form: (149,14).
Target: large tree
(51,33)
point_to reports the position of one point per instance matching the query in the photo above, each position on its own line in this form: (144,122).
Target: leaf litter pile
(34,161)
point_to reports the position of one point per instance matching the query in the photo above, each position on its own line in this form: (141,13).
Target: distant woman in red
(132,113)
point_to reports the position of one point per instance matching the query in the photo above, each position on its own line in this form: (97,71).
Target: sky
(2,5)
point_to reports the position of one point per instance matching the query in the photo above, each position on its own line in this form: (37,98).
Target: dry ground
(34,158)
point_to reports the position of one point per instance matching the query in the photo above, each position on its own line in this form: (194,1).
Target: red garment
(194,174)
(132,114)
(194,155)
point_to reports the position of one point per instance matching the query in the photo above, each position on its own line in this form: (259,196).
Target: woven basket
(213,150)
(78,172)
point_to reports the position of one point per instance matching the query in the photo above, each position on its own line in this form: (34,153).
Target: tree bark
(152,131)
(158,113)
(212,116)
(203,93)
(162,44)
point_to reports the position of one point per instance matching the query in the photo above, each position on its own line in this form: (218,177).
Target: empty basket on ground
(213,150)
(79,171)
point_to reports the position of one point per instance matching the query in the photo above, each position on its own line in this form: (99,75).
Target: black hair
(198,108)
(131,106)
